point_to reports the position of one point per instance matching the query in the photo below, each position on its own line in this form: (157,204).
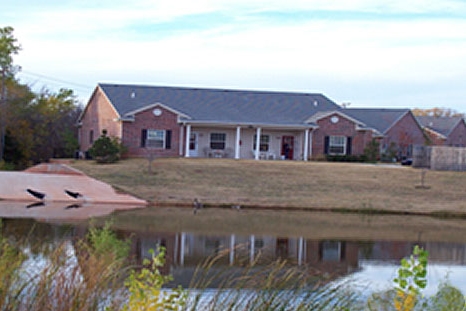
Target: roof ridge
(212,89)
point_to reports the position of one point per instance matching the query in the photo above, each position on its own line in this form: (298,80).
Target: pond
(361,248)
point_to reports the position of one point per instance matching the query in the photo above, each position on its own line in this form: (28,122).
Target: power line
(56,80)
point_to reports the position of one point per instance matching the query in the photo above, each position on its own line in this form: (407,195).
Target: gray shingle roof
(380,119)
(222,106)
(441,125)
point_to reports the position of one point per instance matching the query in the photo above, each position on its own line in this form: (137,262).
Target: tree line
(34,126)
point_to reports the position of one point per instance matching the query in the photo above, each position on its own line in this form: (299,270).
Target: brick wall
(434,138)
(132,133)
(98,116)
(406,133)
(457,137)
(344,127)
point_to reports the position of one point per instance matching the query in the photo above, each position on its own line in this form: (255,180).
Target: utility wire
(56,80)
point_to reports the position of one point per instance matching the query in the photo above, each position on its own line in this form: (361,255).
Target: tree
(39,126)
(437,112)
(52,117)
(8,47)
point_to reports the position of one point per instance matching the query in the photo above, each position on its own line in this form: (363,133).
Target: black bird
(73,206)
(36,194)
(73,194)
(36,204)
(196,205)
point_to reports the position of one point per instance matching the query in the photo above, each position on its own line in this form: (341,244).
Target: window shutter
(348,145)
(143,138)
(326,144)
(168,139)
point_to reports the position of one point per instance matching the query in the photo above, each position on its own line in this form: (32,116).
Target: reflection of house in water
(394,251)
(185,252)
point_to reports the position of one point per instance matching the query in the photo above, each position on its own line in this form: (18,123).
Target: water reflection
(362,260)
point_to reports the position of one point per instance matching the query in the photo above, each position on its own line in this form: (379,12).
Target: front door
(287,147)
(193,145)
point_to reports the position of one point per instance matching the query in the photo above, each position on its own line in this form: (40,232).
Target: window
(263,144)
(331,251)
(157,139)
(193,141)
(217,141)
(337,145)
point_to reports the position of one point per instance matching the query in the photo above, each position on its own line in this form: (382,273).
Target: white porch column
(232,249)
(188,137)
(300,251)
(306,145)
(237,144)
(182,249)
(258,141)
(310,143)
(252,240)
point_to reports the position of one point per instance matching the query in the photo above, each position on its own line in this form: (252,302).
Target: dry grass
(285,184)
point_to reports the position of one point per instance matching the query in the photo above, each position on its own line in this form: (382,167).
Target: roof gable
(220,106)
(380,119)
(154,105)
(441,125)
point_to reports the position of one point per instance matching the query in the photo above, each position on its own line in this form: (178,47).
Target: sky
(361,53)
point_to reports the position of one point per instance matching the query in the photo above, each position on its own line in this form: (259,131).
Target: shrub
(347,158)
(106,149)
(371,152)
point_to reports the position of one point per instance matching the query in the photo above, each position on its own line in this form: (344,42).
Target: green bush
(106,149)
(371,151)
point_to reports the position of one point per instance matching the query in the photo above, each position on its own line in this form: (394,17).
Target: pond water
(364,259)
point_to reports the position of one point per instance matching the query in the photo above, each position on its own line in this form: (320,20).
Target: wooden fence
(440,158)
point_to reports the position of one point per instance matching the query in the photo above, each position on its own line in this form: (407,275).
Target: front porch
(245,142)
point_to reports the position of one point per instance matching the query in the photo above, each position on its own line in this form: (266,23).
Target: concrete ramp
(58,212)
(60,183)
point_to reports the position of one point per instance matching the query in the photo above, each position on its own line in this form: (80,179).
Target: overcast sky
(370,53)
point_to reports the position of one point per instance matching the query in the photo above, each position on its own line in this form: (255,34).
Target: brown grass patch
(285,184)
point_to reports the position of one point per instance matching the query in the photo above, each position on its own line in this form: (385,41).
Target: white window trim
(152,142)
(336,144)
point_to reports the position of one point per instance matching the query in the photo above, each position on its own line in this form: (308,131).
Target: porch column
(306,144)
(300,251)
(188,137)
(258,141)
(232,249)
(180,141)
(252,240)
(310,143)
(182,248)
(237,144)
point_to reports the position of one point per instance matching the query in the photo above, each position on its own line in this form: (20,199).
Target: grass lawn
(285,184)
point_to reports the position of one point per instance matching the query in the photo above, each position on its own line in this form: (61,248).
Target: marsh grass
(277,285)
(285,184)
(73,276)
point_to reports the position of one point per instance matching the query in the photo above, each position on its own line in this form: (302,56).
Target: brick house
(444,131)
(192,122)
(400,131)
